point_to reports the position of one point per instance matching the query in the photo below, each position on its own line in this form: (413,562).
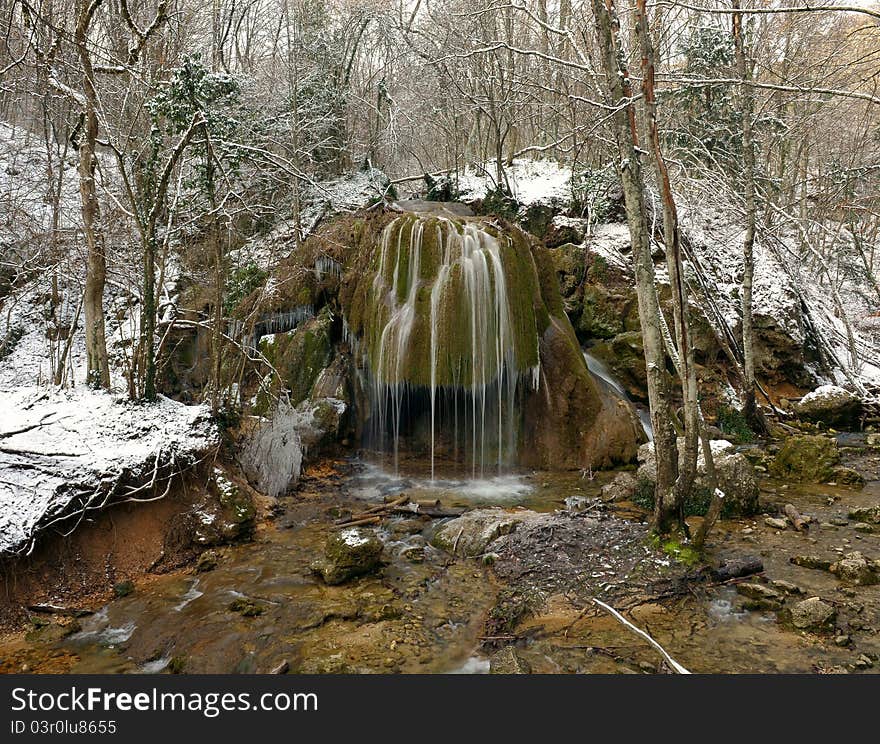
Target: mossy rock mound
(807,458)
(736,478)
(348,553)
(301,355)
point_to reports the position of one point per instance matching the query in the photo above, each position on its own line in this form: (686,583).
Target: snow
(353,537)
(827,393)
(531,181)
(62,451)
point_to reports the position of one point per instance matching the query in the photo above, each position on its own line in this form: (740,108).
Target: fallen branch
(678,668)
(801,524)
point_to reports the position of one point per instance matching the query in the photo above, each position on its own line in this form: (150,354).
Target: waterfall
(599,369)
(444,331)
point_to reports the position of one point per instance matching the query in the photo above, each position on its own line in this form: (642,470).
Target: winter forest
(509,336)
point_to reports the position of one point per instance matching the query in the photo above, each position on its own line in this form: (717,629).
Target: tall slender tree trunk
(750,407)
(148,315)
(97,366)
(683,347)
(624,127)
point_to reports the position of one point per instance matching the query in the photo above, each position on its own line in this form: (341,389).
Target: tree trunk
(678,286)
(750,406)
(623,123)
(97,366)
(148,316)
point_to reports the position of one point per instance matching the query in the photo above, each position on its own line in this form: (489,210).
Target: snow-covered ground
(531,182)
(62,451)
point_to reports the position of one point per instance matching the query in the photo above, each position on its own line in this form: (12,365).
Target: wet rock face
(736,477)
(569,422)
(813,614)
(829,405)
(472,533)
(811,459)
(348,553)
(300,355)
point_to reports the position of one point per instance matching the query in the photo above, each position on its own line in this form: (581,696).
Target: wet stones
(207,561)
(508,661)
(869,515)
(348,553)
(813,614)
(760,597)
(810,561)
(855,569)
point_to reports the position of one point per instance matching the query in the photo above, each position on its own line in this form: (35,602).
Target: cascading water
(599,369)
(443,331)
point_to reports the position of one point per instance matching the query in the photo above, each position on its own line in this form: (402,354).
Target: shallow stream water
(429,616)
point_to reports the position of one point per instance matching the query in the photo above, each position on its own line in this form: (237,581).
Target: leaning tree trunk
(623,124)
(97,366)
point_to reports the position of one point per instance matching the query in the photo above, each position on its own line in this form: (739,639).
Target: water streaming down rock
(444,320)
(599,369)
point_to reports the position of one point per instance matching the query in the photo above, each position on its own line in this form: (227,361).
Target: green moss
(806,458)
(246,607)
(687,555)
(301,354)
(732,421)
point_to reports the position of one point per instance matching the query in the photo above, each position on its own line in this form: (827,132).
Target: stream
(426,613)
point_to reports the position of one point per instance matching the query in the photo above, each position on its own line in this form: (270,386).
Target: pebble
(863,662)
(840,522)
(863,527)
(776,523)
(842,640)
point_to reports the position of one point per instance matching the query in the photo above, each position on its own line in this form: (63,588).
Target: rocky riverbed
(508,586)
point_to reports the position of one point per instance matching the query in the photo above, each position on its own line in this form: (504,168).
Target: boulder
(348,553)
(226,514)
(807,458)
(829,405)
(869,514)
(854,568)
(736,477)
(622,488)
(470,534)
(813,614)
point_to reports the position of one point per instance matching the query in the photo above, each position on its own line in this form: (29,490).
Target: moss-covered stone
(348,553)
(300,355)
(806,458)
